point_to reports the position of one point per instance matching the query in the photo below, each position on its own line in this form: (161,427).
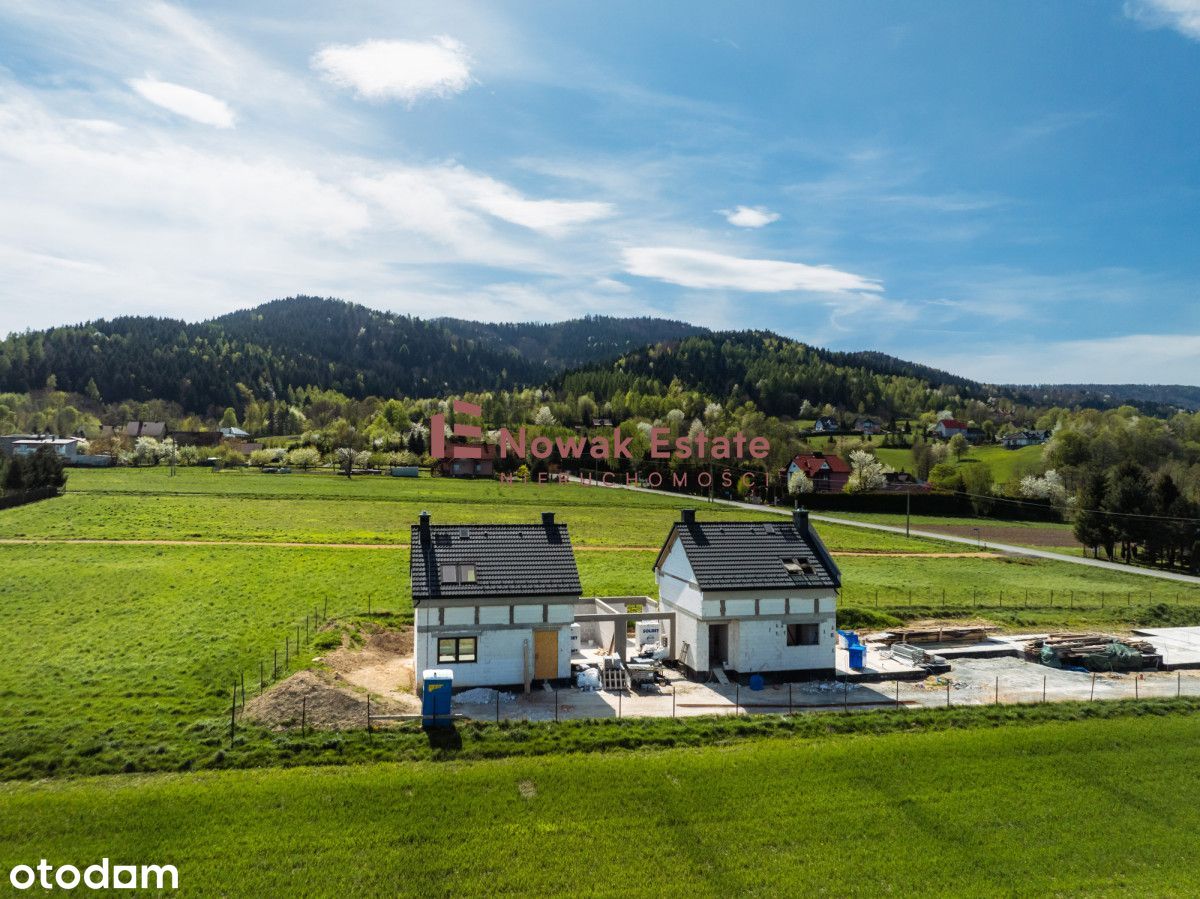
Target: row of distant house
(501,604)
(67,448)
(158,430)
(831,473)
(868,427)
(71,448)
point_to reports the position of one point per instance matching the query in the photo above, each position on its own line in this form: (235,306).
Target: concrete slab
(1179,646)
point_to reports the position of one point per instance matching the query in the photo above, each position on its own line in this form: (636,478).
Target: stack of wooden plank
(951,634)
(1091,650)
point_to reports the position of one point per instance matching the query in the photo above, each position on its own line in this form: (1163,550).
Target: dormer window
(463,573)
(798,567)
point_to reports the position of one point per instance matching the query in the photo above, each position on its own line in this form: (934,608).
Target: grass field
(1004,463)
(122,656)
(148,504)
(1092,807)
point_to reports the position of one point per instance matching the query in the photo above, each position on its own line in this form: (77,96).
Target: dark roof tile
(747,555)
(510,560)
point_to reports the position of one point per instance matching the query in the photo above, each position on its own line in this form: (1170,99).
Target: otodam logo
(698,446)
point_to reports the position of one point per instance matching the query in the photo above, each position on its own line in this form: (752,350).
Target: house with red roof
(828,473)
(948,427)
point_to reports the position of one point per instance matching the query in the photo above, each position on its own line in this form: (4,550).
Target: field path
(150,541)
(1008,548)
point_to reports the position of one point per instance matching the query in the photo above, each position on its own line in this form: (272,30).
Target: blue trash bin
(857,656)
(437,687)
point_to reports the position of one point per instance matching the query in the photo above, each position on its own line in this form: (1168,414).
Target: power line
(1021,502)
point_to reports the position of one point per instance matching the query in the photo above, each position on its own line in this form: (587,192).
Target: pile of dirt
(324,700)
(384,664)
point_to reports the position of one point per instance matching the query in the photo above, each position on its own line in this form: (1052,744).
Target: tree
(304,457)
(977,484)
(229,418)
(14,475)
(959,446)
(544,417)
(799,483)
(1048,487)
(1092,527)
(866,473)
(1128,498)
(946,476)
(146,451)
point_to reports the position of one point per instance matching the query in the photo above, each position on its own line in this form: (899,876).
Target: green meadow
(149,504)
(1004,463)
(1095,807)
(121,657)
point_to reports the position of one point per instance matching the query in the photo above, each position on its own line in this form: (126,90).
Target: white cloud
(750,216)
(1182,15)
(397,70)
(446,202)
(504,202)
(192,104)
(140,219)
(1129,359)
(705,269)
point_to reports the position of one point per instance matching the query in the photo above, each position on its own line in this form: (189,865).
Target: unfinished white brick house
(750,597)
(494,602)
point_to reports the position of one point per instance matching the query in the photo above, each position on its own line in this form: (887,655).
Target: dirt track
(998,533)
(92,541)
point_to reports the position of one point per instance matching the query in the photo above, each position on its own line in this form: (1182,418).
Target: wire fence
(1032,684)
(284,659)
(928,597)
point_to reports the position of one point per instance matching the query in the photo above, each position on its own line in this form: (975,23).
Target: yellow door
(545,654)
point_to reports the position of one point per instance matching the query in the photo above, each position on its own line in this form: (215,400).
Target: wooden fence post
(233,716)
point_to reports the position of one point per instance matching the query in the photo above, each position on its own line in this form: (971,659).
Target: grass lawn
(1089,807)
(322,508)
(1004,463)
(119,655)
(122,656)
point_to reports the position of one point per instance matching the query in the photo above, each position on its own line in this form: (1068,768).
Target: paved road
(949,538)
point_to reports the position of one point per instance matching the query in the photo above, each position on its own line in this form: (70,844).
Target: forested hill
(309,341)
(331,344)
(1152,398)
(776,373)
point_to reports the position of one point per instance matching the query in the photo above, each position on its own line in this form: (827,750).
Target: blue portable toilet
(437,686)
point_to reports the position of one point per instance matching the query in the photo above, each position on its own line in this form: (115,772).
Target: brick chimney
(688,516)
(426,534)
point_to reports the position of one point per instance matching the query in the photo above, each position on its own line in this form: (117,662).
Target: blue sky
(1008,190)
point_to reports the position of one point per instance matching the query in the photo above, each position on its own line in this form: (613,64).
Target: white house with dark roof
(494,602)
(750,597)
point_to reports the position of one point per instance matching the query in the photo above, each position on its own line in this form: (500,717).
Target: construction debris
(1092,652)
(967,634)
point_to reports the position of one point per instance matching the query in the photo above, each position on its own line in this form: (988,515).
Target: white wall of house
(757,621)
(503,649)
(761,645)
